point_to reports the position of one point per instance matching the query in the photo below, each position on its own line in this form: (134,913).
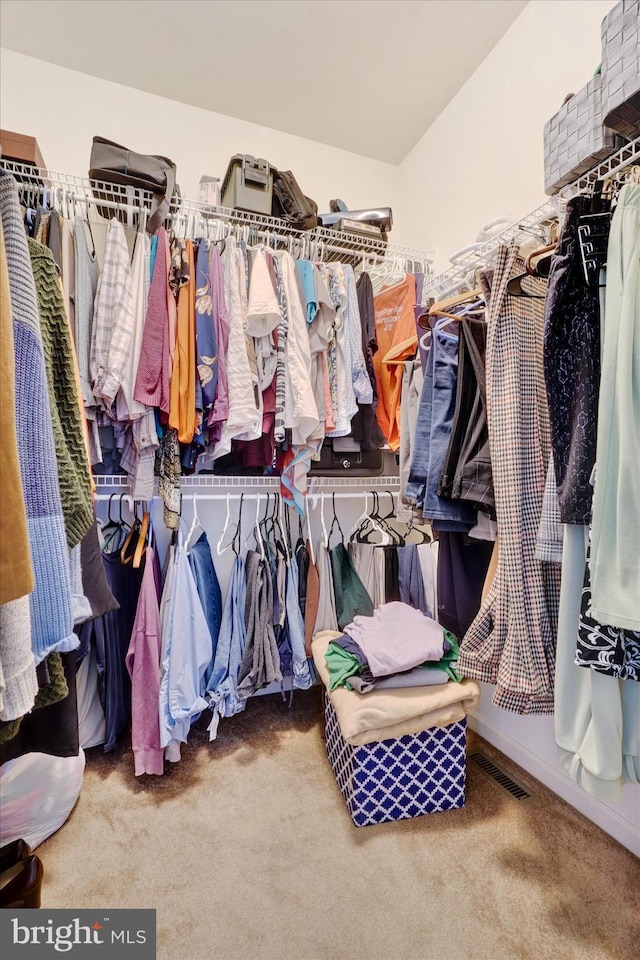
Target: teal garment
(350,593)
(341,665)
(597,717)
(304,269)
(615,557)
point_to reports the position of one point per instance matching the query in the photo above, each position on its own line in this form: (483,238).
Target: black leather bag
(289,202)
(112,163)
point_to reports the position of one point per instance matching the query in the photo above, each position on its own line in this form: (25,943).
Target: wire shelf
(195,216)
(119,482)
(191,212)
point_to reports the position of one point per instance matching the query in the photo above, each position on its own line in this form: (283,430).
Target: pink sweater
(143,664)
(152,380)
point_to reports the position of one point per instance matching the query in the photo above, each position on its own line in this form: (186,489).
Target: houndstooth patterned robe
(511,643)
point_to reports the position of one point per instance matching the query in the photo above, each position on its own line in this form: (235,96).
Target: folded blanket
(389,714)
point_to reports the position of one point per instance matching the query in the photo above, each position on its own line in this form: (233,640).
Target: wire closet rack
(195,218)
(534,222)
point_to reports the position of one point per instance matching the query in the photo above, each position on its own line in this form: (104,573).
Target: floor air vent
(499,776)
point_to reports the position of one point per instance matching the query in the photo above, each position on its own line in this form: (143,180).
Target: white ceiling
(369,76)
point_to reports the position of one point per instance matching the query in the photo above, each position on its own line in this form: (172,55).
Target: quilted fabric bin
(402,778)
(621,68)
(575,139)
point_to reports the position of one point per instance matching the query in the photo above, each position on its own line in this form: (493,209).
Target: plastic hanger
(312,555)
(377,526)
(220,549)
(195,521)
(325,536)
(237,537)
(335,521)
(113,529)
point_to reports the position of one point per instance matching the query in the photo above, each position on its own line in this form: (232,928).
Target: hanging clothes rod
(207,480)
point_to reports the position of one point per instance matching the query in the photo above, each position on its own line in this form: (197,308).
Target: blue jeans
(210,596)
(433,432)
(303,673)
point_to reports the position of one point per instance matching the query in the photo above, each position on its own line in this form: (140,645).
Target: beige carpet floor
(247,852)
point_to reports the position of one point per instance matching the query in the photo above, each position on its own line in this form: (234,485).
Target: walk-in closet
(319,565)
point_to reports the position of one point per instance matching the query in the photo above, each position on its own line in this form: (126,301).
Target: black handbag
(289,202)
(112,163)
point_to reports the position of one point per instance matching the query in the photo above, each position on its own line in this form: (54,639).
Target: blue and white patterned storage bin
(398,779)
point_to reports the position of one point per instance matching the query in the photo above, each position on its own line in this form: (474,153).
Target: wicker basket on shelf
(621,68)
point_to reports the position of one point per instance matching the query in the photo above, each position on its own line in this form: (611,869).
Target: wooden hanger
(530,267)
(141,545)
(437,308)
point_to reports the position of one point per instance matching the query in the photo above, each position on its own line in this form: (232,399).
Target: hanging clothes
(365,427)
(16,569)
(68,429)
(610,650)
(260,664)
(113,319)
(220,410)
(615,559)
(397,341)
(87,274)
(210,595)
(326,618)
(112,635)
(223,685)
(368,561)
(186,654)
(412,383)
(302,667)
(182,402)
(206,337)
(466,469)
(511,641)
(351,598)
(154,366)
(433,434)
(143,665)
(244,420)
(46,615)
(597,717)
(572,369)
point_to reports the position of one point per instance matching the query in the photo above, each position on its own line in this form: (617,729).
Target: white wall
(483,156)
(64,109)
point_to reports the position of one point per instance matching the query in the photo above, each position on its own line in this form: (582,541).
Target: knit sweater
(73,467)
(50,603)
(16,572)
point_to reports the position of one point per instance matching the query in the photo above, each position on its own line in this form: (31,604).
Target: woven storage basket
(575,139)
(621,68)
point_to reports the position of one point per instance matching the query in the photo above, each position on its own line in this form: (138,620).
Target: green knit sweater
(74,476)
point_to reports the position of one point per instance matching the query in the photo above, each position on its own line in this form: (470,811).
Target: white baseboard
(608,819)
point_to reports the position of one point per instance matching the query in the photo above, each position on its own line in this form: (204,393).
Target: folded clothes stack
(396,647)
